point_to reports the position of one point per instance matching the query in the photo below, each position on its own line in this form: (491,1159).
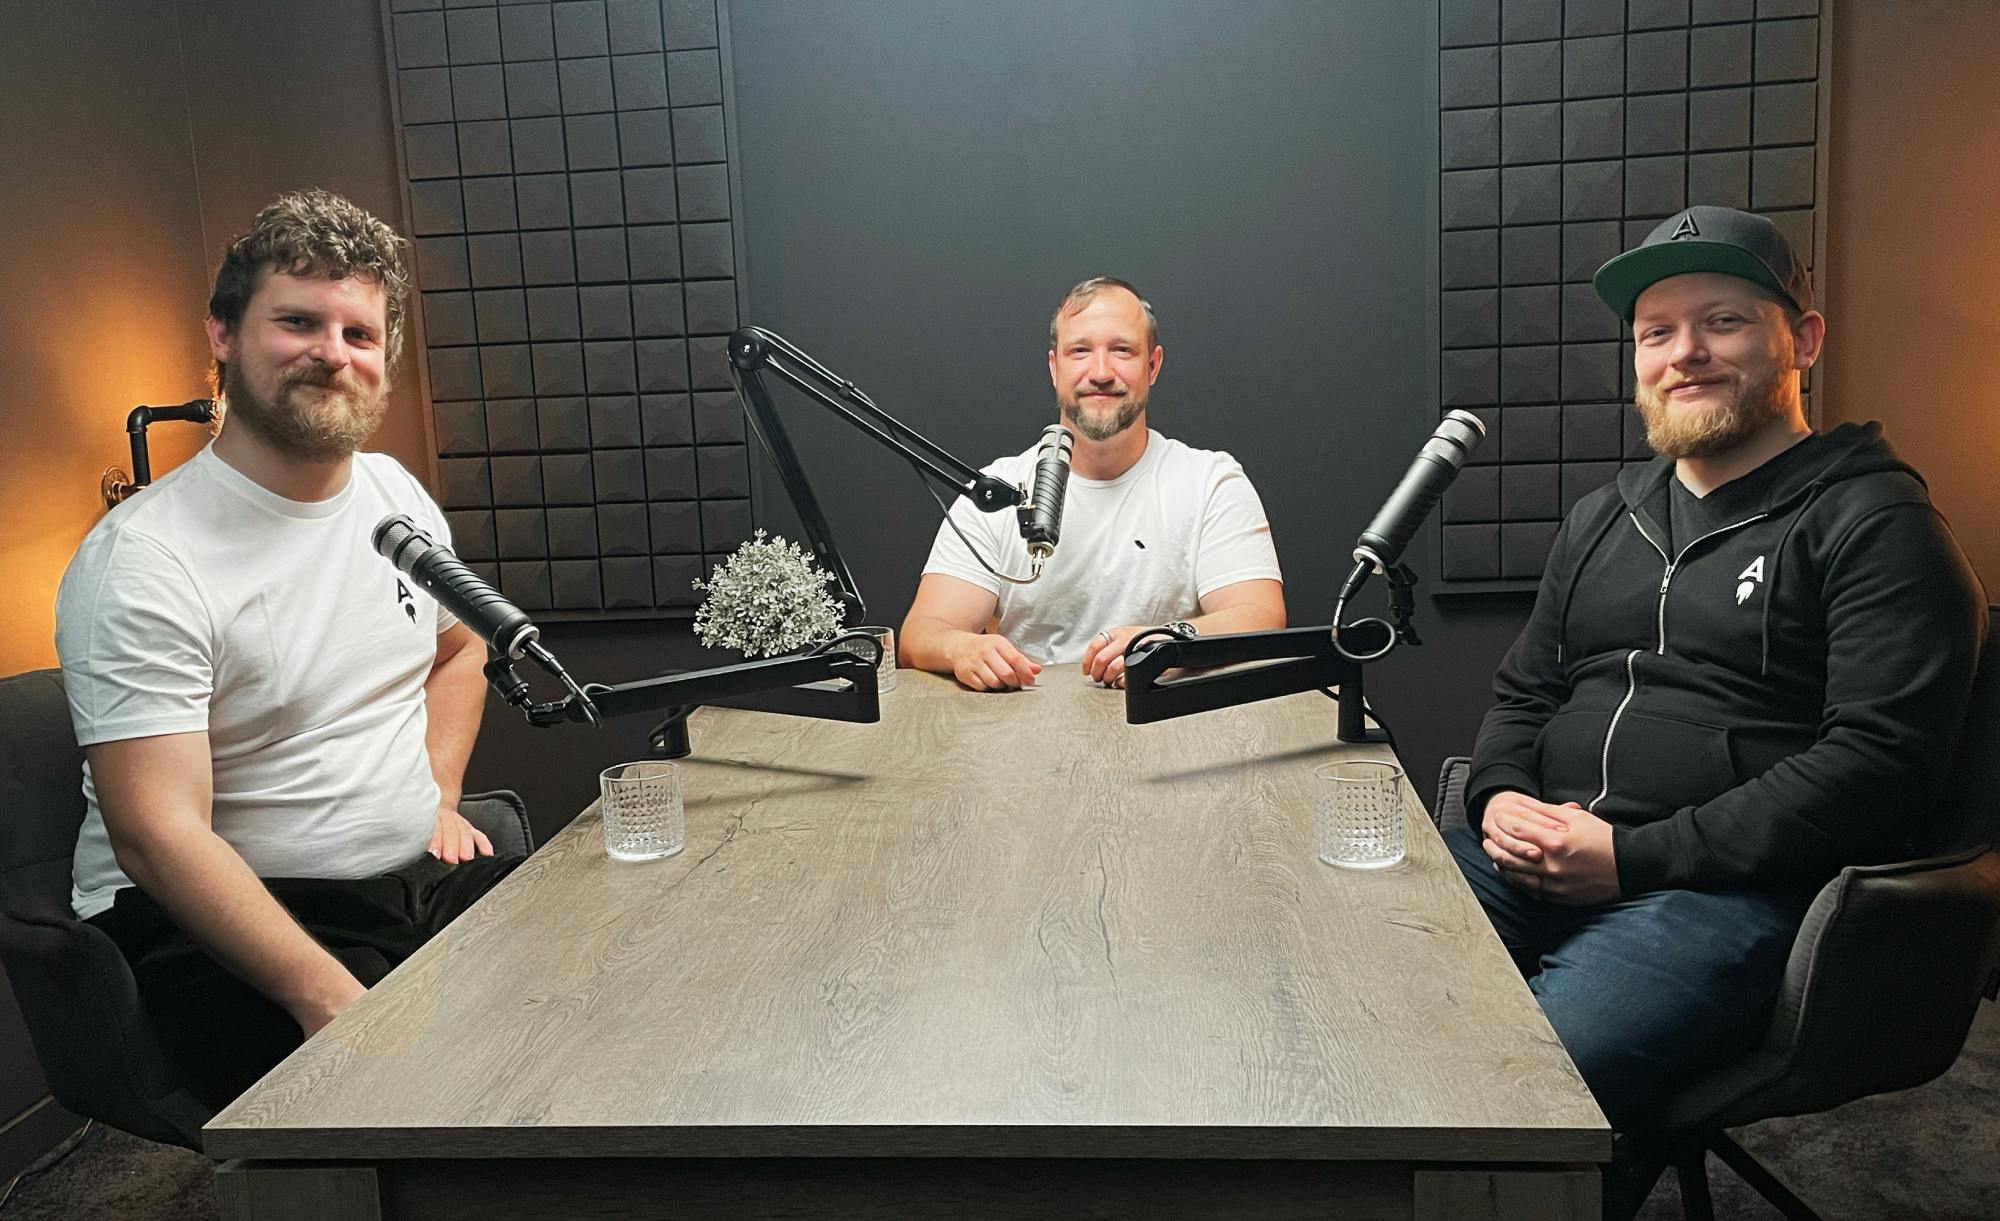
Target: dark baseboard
(35,1131)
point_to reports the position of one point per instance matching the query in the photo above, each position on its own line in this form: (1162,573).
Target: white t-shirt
(1145,548)
(208,602)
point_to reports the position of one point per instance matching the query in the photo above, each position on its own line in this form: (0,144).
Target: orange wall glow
(139,139)
(100,286)
(1913,256)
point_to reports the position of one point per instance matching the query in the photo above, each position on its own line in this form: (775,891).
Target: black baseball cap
(1706,238)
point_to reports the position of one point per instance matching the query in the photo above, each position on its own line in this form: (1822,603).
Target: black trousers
(221,1033)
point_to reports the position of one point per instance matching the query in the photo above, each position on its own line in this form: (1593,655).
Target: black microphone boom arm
(827,684)
(738,685)
(753,350)
(1264,665)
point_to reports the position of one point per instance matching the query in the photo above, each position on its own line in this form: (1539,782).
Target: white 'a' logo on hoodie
(1749,579)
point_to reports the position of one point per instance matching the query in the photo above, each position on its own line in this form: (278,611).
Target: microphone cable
(1143,635)
(1348,589)
(547,661)
(1333,693)
(946,510)
(827,646)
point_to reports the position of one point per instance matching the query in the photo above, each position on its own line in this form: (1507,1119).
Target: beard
(1711,431)
(315,414)
(1102,423)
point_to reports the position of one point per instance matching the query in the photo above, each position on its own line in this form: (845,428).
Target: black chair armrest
(1881,988)
(503,817)
(1449,811)
(91,1036)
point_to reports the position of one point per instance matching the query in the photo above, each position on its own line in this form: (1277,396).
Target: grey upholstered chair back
(1448,810)
(75,990)
(1888,968)
(41,769)
(1970,814)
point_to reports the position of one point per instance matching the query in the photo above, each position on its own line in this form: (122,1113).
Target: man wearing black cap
(1746,668)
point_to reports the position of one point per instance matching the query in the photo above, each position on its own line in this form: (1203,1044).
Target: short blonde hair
(1078,297)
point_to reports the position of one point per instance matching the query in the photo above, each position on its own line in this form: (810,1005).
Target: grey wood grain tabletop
(1003,924)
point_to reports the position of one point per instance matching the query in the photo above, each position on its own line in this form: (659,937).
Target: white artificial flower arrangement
(766,599)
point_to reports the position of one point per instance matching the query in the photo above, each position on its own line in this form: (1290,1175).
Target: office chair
(75,990)
(1884,978)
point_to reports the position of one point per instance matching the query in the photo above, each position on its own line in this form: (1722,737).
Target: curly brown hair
(313,233)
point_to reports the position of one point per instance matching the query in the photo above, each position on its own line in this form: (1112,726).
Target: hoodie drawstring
(1771,586)
(1569,587)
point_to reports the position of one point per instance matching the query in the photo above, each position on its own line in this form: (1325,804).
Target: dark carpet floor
(1931,1153)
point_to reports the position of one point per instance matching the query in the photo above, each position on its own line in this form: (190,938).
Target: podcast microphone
(1041,524)
(1436,465)
(457,588)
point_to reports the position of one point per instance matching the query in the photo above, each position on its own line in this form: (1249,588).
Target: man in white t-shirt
(275,725)
(1154,533)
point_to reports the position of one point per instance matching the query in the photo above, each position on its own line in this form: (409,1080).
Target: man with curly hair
(275,725)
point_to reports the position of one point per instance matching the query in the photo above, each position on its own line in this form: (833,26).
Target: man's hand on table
(455,840)
(987,661)
(1104,656)
(1562,853)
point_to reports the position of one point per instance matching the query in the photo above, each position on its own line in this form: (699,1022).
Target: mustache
(320,377)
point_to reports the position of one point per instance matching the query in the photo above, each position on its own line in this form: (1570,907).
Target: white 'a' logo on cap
(1685,229)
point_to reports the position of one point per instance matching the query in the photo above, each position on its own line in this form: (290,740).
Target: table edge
(1508,1144)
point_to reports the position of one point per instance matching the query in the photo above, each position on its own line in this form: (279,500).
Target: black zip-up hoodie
(1774,700)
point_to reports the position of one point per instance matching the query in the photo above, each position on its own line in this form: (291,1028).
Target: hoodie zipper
(1632,657)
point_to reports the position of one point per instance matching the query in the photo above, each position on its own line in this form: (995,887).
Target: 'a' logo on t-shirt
(403,596)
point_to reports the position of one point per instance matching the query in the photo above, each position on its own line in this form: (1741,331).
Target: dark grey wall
(920,183)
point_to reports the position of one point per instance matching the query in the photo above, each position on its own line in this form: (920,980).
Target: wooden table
(999,955)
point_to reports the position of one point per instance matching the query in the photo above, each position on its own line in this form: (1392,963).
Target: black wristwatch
(1182,628)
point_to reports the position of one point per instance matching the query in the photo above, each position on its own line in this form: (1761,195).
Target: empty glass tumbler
(1358,814)
(641,807)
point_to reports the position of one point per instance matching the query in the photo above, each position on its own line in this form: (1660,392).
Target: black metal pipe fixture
(115,484)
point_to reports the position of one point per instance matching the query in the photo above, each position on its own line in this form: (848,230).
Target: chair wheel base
(1691,1166)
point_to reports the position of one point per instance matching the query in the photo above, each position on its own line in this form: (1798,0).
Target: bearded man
(1746,668)
(275,725)
(1155,533)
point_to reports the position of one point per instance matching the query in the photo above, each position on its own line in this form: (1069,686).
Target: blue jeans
(1645,992)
